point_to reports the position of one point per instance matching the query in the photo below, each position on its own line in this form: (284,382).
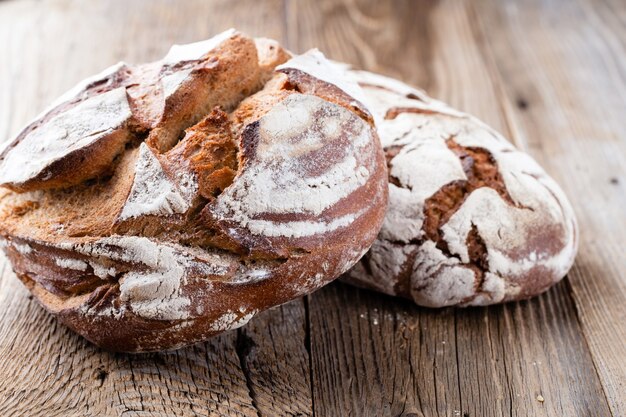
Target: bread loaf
(471,220)
(157,205)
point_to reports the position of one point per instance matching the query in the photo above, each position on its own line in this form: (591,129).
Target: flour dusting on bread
(155,290)
(283,178)
(471,221)
(164,203)
(232,320)
(67,132)
(153,193)
(314,63)
(197,50)
(75,264)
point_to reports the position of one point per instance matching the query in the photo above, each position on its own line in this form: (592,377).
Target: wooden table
(549,74)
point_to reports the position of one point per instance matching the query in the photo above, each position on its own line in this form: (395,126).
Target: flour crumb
(75,264)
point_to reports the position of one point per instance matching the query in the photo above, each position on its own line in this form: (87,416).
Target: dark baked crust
(180,240)
(471,221)
(157,99)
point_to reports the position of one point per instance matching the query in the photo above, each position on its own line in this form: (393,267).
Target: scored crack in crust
(243,177)
(89,126)
(471,220)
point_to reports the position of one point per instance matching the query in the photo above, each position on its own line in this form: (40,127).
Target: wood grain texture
(572,85)
(551,75)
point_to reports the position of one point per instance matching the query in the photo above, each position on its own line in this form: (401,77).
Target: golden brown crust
(210,151)
(231,206)
(85,133)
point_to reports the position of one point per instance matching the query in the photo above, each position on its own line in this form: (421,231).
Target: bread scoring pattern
(471,220)
(235,186)
(153,193)
(289,156)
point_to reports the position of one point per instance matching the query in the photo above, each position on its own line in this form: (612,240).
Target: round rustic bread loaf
(156,205)
(471,220)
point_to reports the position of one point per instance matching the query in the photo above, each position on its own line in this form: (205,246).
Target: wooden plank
(273,349)
(374,355)
(567,66)
(46,369)
(529,360)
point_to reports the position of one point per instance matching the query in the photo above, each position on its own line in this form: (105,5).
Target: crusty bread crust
(471,220)
(79,137)
(264,187)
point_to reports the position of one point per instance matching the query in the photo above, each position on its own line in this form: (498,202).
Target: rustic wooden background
(549,74)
